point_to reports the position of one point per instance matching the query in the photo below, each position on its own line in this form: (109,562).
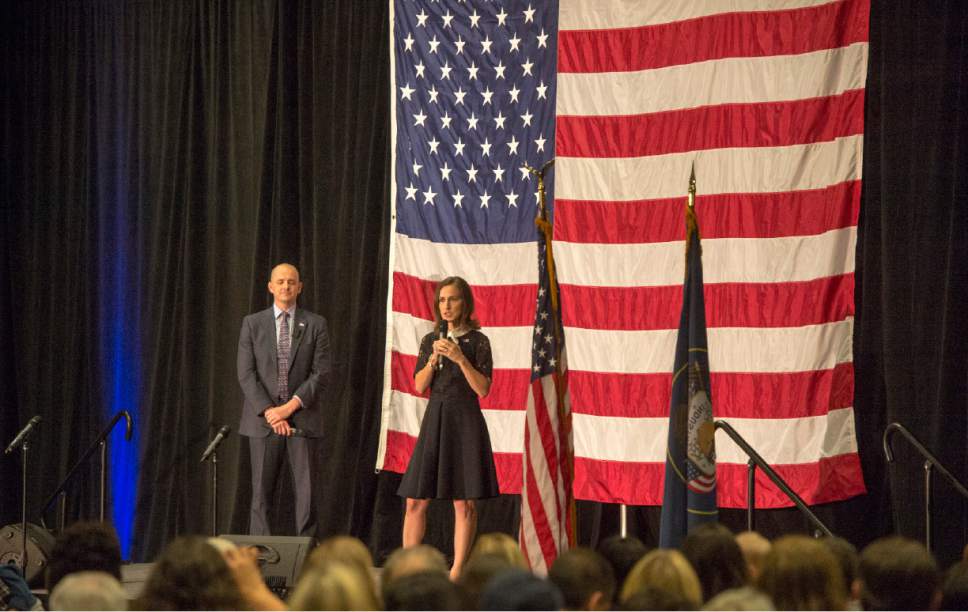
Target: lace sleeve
(483,359)
(426,349)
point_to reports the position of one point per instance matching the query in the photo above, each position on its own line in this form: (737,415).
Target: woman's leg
(415,521)
(465,525)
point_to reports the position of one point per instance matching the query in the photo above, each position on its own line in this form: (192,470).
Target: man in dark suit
(284,369)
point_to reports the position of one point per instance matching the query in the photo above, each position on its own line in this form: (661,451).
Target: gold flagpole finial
(692,225)
(543,224)
(692,185)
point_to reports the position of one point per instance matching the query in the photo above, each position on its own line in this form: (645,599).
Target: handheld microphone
(442,332)
(22,436)
(224,431)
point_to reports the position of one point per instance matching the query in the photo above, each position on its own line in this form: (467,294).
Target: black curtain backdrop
(159,157)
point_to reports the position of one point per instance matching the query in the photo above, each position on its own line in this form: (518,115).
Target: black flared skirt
(453,457)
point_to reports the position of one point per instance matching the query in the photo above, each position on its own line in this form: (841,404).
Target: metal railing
(930,463)
(99,443)
(757,461)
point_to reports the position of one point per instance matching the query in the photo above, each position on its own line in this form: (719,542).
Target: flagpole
(543,223)
(623,522)
(561,537)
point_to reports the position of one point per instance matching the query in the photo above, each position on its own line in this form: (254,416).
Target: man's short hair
(411,560)
(579,573)
(518,589)
(84,546)
(422,591)
(477,573)
(622,554)
(88,591)
(898,574)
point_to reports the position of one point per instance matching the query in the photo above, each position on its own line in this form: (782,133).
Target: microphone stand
(211,454)
(23,507)
(214,460)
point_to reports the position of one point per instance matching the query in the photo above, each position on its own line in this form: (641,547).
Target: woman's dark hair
(190,575)
(84,546)
(467,308)
(717,559)
(622,554)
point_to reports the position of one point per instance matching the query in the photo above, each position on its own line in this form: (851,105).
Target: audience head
(622,553)
(743,598)
(477,573)
(954,591)
(800,573)
(500,544)
(585,579)
(898,573)
(332,585)
(190,575)
(754,548)
(88,591)
(411,560)
(343,549)
(848,560)
(517,589)
(422,591)
(714,554)
(654,598)
(84,547)
(668,570)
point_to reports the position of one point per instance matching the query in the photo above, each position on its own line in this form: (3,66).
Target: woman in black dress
(452,458)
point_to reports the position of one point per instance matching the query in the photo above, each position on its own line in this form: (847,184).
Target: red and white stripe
(767,99)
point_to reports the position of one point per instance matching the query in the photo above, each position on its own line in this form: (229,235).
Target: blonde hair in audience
(800,573)
(500,545)
(333,585)
(344,549)
(754,548)
(664,569)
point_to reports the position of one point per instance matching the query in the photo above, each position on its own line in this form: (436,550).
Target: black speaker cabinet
(40,543)
(280,557)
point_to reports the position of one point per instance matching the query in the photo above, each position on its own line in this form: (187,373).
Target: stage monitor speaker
(40,543)
(280,557)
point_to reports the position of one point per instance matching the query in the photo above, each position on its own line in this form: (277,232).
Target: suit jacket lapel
(298,331)
(269,344)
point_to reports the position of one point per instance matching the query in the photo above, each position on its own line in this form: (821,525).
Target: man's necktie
(282,358)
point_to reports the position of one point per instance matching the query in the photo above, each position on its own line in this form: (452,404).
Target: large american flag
(765,97)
